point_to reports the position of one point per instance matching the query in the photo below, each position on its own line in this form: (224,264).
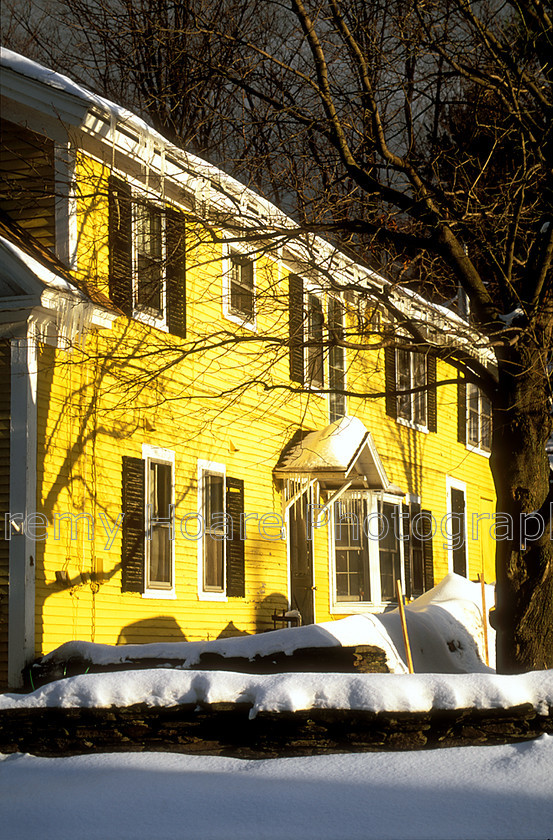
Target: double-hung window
(406,371)
(239,289)
(221,571)
(306,334)
(336,361)
(213,511)
(314,341)
(242,298)
(147,257)
(148,541)
(479,418)
(411,373)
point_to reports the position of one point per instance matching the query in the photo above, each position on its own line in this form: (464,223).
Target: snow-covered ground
(465,792)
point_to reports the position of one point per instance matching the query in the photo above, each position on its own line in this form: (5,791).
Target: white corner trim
(23,458)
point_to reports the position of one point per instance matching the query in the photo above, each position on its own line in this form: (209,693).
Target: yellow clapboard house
(182,452)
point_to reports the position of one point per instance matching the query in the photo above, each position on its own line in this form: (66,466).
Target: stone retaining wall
(225,729)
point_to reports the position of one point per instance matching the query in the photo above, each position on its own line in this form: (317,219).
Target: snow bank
(445,631)
(293,692)
(495,793)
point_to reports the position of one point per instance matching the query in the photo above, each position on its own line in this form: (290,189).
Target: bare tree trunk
(524,566)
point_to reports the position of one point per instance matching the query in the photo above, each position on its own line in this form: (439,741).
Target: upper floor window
(406,371)
(314,342)
(479,418)
(306,334)
(149,265)
(336,361)
(411,373)
(147,258)
(241,292)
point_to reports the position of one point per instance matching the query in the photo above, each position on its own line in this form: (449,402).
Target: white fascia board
(44,98)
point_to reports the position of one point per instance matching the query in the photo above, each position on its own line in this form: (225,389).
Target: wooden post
(484,618)
(404,627)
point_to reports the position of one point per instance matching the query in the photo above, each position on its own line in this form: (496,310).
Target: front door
(301,561)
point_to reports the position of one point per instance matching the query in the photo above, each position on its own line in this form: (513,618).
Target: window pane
(315,323)
(214,506)
(486,422)
(149,254)
(160,549)
(419,378)
(337,361)
(241,286)
(352,564)
(390,569)
(404,383)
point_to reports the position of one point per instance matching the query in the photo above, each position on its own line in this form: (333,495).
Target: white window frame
(478,449)
(229,250)
(455,484)
(376,604)
(160,456)
(217,469)
(412,424)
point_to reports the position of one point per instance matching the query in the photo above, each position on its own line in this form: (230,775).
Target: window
(147,258)
(221,571)
(406,370)
(336,361)
(374,546)
(213,512)
(242,287)
(314,342)
(456,531)
(479,418)
(411,373)
(306,332)
(159,546)
(147,550)
(239,289)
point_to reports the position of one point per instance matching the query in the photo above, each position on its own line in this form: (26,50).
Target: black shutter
(426,530)
(236,584)
(431,398)
(391,381)
(461,410)
(176,273)
(132,553)
(120,244)
(407,538)
(295,322)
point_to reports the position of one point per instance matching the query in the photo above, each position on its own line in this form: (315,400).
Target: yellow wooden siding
(87,421)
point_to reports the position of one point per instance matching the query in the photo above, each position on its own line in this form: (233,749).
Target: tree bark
(520,467)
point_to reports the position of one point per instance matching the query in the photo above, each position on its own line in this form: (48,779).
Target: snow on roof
(345,447)
(46,275)
(328,257)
